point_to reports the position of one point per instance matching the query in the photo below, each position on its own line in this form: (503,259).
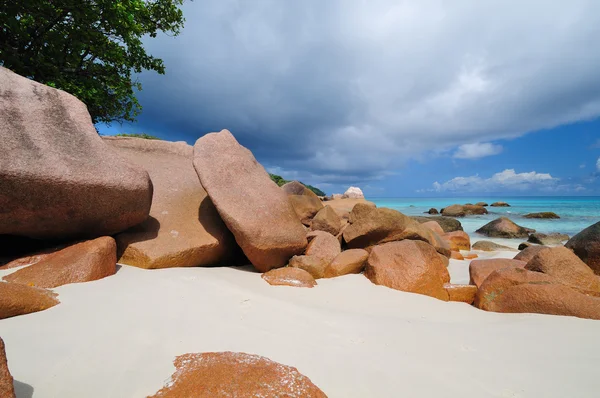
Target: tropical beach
(341,200)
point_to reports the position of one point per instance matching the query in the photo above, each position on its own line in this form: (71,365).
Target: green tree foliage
(280,181)
(138,135)
(89,48)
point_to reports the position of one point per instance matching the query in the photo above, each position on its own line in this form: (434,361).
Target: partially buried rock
(305,202)
(554,238)
(184,228)
(410,266)
(479,270)
(564,266)
(448,224)
(586,246)
(500,204)
(544,215)
(58,179)
(351,261)
(456,256)
(235,374)
(252,206)
(458,240)
(461,293)
(463,210)
(289,276)
(504,228)
(481,204)
(529,252)
(324,246)
(82,262)
(488,246)
(524,245)
(433,211)
(16,299)
(312,264)
(327,220)
(6,381)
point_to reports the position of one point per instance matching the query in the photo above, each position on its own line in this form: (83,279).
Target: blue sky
(398,98)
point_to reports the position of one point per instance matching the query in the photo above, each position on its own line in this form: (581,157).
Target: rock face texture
(554,238)
(353,193)
(16,299)
(488,246)
(312,264)
(479,270)
(235,374)
(305,202)
(324,246)
(458,240)
(327,220)
(545,214)
(289,276)
(82,262)
(463,210)
(252,206)
(350,261)
(448,224)
(461,293)
(586,246)
(565,267)
(343,207)
(434,226)
(529,252)
(410,266)
(58,179)
(184,228)
(504,228)
(6,381)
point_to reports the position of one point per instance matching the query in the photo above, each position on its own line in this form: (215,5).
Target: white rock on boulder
(353,193)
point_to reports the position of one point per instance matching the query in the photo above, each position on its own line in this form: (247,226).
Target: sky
(400,98)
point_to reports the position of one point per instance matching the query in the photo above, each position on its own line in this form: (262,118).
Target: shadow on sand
(22,390)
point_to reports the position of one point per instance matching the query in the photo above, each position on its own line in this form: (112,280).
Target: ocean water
(576,213)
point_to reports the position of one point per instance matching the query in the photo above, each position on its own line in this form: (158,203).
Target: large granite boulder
(504,228)
(235,374)
(479,270)
(305,202)
(489,246)
(529,252)
(17,299)
(327,220)
(353,193)
(565,267)
(543,215)
(448,224)
(82,262)
(252,206)
(58,179)
(7,389)
(184,228)
(289,276)
(351,261)
(410,266)
(553,238)
(463,210)
(586,246)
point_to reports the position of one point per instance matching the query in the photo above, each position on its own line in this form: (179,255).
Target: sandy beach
(118,337)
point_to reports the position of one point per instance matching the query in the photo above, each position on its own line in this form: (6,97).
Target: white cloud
(582,166)
(477,150)
(355,87)
(598,164)
(505,180)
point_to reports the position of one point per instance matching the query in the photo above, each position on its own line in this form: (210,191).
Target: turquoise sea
(576,213)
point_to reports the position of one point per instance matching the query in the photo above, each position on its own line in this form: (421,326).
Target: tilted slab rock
(58,179)
(289,276)
(252,206)
(17,299)
(184,228)
(305,202)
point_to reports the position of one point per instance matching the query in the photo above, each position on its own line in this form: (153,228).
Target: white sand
(117,337)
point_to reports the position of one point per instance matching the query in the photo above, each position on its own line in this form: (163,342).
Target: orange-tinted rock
(470,256)
(463,210)
(58,179)
(434,226)
(359,210)
(445,260)
(479,270)
(456,256)
(324,246)
(6,381)
(343,207)
(564,266)
(27,260)
(501,280)
(327,220)
(82,262)
(235,374)
(586,246)
(487,246)
(289,276)
(552,299)
(252,206)
(462,293)
(305,202)
(458,240)
(184,228)
(410,266)
(351,261)
(16,299)
(312,264)
(504,228)
(448,224)
(529,252)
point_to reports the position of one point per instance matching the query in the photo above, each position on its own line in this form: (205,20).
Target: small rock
(529,252)
(448,224)
(503,228)
(545,214)
(500,204)
(487,246)
(432,211)
(434,226)
(351,261)
(327,220)
(353,193)
(470,256)
(524,245)
(456,256)
(16,299)
(461,293)
(311,264)
(479,270)
(463,210)
(481,204)
(324,246)
(289,276)
(458,240)
(554,238)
